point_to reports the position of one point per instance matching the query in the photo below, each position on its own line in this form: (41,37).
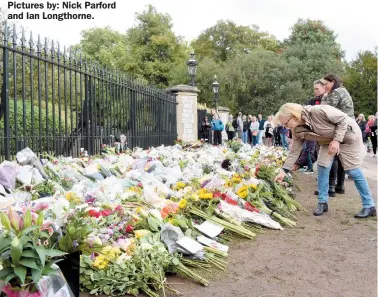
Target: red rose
(94,213)
(119,208)
(217,195)
(106,212)
(140,185)
(250,207)
(129,228)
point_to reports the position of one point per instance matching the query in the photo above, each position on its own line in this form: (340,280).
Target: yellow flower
(180,185)
(228,184)
(206,195)
(183,203)
(242,192)
(253,186)
(141,233)
(100,262)
(195,197)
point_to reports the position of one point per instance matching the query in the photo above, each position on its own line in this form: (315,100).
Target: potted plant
(74,243)
(26,252)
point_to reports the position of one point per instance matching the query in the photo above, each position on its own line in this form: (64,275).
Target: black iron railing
(54,100)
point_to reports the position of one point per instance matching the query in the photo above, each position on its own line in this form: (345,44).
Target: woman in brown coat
(337,134)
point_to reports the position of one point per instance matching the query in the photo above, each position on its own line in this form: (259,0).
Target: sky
(355,22)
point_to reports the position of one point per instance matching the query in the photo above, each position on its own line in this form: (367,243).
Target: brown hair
(337,82)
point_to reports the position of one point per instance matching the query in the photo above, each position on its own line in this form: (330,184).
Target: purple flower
(89,199)
(75,244)
(93,256)
(205,183)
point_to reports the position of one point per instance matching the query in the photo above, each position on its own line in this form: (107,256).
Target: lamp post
(216,93)
(192,68)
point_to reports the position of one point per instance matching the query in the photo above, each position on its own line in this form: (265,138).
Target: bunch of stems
(196,264)
(216,261)
(227,225)
(185,271)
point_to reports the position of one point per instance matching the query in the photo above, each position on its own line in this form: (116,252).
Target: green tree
(105,46)
(313,51)
(361,81)
(226,39)
(153,49)
(315,32)
(260,82)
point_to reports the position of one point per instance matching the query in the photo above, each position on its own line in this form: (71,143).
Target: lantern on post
(215,86)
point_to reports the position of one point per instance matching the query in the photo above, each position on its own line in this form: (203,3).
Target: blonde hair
(288,110)
(244,117)
(362,115)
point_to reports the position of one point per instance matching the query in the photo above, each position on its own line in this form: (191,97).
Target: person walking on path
(245,129)
(261,128)
(205,129)
(282,131)
(361,122)
(255,131)
(338,97)
(269,128)
(374,131)
(230,128)
(217,127)
(338,134)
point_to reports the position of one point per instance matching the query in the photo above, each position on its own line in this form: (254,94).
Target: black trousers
(337,174)
(230,135)
(217,137)
(374,143)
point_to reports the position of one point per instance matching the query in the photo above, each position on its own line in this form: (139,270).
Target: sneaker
(309,171)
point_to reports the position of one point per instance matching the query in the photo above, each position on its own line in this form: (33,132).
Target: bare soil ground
(334,255)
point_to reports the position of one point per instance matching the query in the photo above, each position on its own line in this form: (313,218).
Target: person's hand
(280,176)
(334,147)
(296,167)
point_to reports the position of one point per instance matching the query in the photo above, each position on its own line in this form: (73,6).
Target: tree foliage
(361,81)
(226,39)
(152,47)
(313,32)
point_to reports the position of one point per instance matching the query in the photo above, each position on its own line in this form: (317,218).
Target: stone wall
(187,122)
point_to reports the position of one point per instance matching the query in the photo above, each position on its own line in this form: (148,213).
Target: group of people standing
(326,126)
(249,129)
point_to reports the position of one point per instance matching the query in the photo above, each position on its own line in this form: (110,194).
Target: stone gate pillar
(186,111)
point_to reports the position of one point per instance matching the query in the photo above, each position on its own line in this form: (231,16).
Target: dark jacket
(282,130)
(315,101)
(309,148)
(246,126)
(261,125)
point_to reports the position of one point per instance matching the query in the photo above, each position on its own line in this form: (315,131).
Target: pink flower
(106,212)
(41,206)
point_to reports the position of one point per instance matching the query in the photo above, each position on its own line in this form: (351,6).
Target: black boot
(331,192)
(366,212)
(340,189)
(322,208)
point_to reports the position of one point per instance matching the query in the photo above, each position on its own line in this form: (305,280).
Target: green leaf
(5,221)
(48,270)
(40,219)
(29,229)
(10,277)
(36,275)
(42,254)
(175,261)
(28,263)
(5,241)
(55,253)
(29,254)
(5,271)
(154,226)
(16,250)
(20,271)
(27,219)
